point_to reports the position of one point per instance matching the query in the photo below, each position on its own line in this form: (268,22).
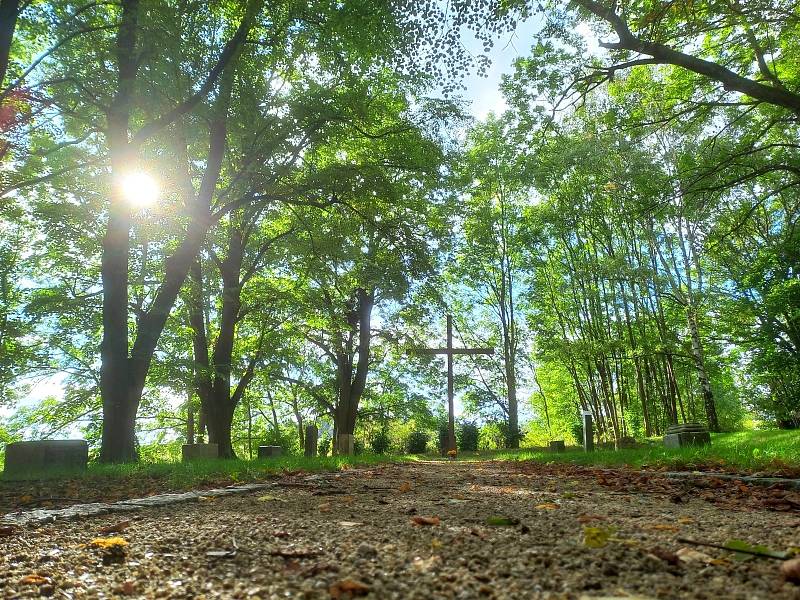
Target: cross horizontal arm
(427,351)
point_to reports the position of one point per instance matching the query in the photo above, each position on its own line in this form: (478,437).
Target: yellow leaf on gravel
(112,542)
(206,498)
(547,506)
(597,537)
(686,520)
(33,580)
(662,527)
(270,499)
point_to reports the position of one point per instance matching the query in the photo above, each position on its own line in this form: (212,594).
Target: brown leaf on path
(33,580)
(7,530)
(324,507)
(348,588)
(661,527)
(547,506)
(425,520)
(128,588)
(666,556)
(590,518)
(115,528)
(405,487)
(791,570)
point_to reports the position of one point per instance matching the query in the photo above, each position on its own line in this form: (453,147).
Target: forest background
(224,221)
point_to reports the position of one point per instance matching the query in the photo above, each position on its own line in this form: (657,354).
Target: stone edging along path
(78,511)
(792,484)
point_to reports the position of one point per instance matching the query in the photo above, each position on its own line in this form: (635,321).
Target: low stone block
(557,446)
(689,438)
(626,443)
(269,451)
(311,441)
(191,452)
(26,458)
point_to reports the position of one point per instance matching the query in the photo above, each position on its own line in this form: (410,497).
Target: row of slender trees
(623,233)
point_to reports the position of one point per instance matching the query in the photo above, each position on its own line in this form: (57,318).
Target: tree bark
(352,378)
(9,11)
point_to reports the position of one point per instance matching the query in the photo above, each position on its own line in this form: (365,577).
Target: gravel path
(482,530)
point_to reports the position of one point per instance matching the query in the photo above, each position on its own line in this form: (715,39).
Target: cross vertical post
(449,351)
(451,418)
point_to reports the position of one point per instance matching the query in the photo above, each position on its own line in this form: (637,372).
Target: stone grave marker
(687,434)
(269,451)
(626,443)
(312,438)
(588,432)
(190,452)
(557,446)
(26,458)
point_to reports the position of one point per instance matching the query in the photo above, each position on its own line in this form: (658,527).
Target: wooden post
(588,432)
(449,351)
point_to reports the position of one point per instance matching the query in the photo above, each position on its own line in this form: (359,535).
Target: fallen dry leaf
(33,580)
(547,506)
(349,523)
(661,527)
(690,555)
(425,520)
(128,588)
(324,507)
(115,528)
(405,487)
(686,520)
(791,570)
(348,588)
(105,543)
(7,530)
(590,518)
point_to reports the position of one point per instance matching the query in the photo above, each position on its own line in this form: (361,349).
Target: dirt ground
(423,530)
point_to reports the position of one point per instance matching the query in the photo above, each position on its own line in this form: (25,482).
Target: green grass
(773,451)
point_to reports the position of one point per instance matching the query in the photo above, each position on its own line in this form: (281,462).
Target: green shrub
(417,442)
(380,442)
(324,446)
(467,437)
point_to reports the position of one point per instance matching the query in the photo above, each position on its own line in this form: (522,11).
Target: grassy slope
(772,451)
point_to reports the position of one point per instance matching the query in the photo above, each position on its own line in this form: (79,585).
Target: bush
(380,442)
(467,436)
(324,446)
(358,447)
(417,442)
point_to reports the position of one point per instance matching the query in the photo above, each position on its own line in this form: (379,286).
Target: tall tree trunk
(122,378)
(9,11)
(352,378)
(117,387)
(702,374)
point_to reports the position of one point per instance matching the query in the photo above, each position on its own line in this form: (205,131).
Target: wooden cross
(449,351)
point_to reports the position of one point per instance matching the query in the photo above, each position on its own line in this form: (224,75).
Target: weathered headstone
(312,438)
(345,444)
(588,432)
(557,446)
(26,458)
(626,443)
(191,452)
(269,451)
(688,434)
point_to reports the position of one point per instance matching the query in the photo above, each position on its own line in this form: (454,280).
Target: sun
(140,189)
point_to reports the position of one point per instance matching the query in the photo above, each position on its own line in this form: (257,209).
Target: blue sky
(483,92)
